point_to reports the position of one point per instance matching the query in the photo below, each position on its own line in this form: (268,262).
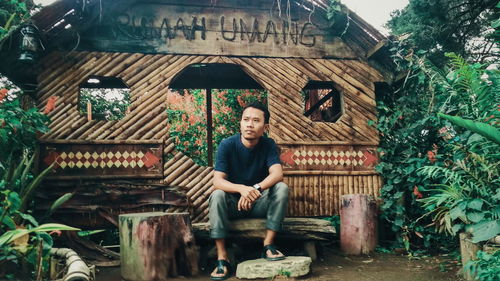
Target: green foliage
(23,242)
(18,127)
(471,175)
(23,239)
(482,129)
(187,118)
(338,17)
(441,26)
(413,137)
(335,221)
(107,104)
(12,14)
(486,267)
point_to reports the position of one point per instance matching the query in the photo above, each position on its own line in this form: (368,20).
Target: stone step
(261,268)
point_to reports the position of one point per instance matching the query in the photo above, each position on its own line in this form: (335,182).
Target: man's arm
(248,193)
(275,176)
(221,182)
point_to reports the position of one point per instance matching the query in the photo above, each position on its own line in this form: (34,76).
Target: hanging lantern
(29,44)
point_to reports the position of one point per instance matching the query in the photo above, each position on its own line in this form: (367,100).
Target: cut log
(358,224)
(293,228)
(468,251)
(157,245)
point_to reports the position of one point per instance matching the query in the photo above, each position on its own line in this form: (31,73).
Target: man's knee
(218,196)
(281,190)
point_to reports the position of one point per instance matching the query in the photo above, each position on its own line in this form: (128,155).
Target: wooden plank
(293,228)
(215,30)
(376,48)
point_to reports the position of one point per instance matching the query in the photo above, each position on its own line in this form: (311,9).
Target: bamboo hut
(328,147)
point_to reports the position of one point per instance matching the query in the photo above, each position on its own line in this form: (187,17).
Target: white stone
(261,268)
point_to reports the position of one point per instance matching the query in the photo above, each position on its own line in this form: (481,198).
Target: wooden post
(157,245)
(210,143)
(358,224)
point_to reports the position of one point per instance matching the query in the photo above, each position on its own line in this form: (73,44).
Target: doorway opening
(204,106)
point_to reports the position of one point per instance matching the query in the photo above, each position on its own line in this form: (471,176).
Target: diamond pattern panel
(108,160)
(328,157)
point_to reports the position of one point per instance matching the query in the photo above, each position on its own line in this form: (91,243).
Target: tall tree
(438,26)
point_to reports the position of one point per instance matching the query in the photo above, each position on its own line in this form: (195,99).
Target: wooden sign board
(241,28)
(101,160)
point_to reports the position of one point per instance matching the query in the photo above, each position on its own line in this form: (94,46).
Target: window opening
(323,102)
(104,98)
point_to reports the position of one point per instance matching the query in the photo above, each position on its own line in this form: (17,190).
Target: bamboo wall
(148,77)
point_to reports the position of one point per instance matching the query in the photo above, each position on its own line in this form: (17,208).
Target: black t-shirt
(244,165)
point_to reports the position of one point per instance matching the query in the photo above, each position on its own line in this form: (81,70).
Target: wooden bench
(308,230)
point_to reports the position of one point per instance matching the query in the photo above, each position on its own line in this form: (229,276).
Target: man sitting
(247,183)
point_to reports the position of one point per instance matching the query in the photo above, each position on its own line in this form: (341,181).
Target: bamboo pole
(181,169)
(123,65)
(162,116)
(343,73)
(167,165)
(208,179)
(126,125)
(52,84)
(196,180)
(174,164)
(143,121)
(345,184)
(351,184)
(136,67)
(161,134)
(188,175)
(147,67)
(157,128)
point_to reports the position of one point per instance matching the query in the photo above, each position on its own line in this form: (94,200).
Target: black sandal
(274,251)
(220,269)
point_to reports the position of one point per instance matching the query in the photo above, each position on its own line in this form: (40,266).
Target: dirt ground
(332,265)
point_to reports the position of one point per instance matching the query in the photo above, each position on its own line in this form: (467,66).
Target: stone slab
(261,268)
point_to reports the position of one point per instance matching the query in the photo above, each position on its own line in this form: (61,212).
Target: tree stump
(358,224)
(157,245)
(468,251)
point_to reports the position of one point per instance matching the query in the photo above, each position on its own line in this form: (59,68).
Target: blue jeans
(271,205)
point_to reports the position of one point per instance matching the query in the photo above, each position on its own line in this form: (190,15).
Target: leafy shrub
(18,127)
(23,240)
(486,267)
(413,136)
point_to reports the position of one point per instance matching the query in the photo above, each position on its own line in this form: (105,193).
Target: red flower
(3,93)
(432,156)
(417,192)
(192,119)
(51,105)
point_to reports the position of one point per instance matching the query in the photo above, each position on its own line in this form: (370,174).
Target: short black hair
(259,106)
